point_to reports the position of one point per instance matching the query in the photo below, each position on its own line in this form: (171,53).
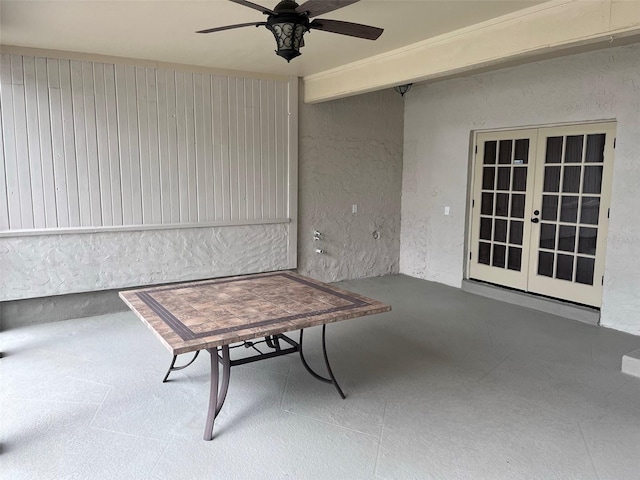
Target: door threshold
(548,305)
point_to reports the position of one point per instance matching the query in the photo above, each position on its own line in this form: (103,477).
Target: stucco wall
(59,264)
(439,119)
(107,178)
(350,153)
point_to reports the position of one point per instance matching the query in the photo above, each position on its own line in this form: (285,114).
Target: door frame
(471,179)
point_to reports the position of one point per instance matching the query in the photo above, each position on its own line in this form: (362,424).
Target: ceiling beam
(550,29)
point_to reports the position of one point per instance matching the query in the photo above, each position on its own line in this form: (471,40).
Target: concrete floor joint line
(586,446)
(342,427)
(384,416)
(284,389)
(161,455)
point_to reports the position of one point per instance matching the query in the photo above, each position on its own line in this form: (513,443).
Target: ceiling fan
(289,21)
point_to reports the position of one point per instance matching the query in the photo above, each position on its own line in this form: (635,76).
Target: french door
(540,210)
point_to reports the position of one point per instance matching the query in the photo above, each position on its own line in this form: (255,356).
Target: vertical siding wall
(89,144)
(118,175)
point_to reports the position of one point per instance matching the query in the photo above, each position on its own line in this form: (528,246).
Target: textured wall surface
(57,264)
(439,119)
(87,144)
(350,153)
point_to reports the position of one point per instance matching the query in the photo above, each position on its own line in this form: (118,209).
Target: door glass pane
(548,236)
(584,270)
(550,207)
(505,151)
(488,178)
(517,206)
(484,253)
(522,152)
(587,240)
(519,179)
(486,206)
(595,148)
(485,229)
(502,204)
(569,209)
(515,232)
(500,232)
(567,238)
(490,152)
(499,254)
(573,152)
(590,210)
(545,264)
(554,150)
(504,177)
(564,269)
(515,258)
(551,179)
(592,180)
(571,179)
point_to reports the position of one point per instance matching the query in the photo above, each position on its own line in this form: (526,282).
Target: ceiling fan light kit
(288,28)
(288,22)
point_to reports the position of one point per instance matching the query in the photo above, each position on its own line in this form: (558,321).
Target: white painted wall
(106,171)
(439,119)
(89,144)
(350,153)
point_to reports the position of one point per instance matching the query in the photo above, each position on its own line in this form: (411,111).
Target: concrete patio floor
(449,385)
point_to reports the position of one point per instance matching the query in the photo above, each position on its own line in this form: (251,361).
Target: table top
(206,314)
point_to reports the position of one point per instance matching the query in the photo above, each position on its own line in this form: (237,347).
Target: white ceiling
(163,30)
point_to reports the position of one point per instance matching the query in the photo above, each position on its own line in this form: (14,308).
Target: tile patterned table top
(196,315)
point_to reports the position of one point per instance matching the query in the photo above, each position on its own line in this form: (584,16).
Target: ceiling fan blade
(347,28)
(229,27)
(320,7)
(255,6)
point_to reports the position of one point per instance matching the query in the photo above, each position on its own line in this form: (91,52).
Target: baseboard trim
(534,302)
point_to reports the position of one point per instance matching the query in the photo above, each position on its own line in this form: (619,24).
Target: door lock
(535,220)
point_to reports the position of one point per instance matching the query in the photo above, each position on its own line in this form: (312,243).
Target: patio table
(213,315)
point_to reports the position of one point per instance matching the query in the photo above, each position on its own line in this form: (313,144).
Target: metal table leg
(218,393)
(172,368)
(226,373)
(332,378)
(217,397)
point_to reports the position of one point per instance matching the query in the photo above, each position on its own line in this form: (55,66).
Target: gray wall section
(439,119)
(58,264)
(350,153)
(20,313)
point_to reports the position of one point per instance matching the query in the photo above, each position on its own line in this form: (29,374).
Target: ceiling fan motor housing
(288,28)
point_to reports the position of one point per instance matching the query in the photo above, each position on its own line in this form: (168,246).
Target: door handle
(535,220)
